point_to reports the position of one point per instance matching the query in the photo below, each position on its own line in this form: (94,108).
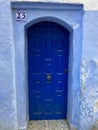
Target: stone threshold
(48,125)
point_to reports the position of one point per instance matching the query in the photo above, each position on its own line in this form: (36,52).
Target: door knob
(48,77)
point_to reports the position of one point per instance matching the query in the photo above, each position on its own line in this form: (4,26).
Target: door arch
(48,51)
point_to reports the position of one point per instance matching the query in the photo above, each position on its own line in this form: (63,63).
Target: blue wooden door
(47,71)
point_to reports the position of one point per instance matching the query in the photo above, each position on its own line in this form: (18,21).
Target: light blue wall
(47,12)
(8,120)
(89,66)
(89,74)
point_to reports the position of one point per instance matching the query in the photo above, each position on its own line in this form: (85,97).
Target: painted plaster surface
(89,67)
(88,4)
(74,21)
(7,88)
(89,81)
(48,125)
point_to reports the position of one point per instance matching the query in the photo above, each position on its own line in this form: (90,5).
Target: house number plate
(21,16)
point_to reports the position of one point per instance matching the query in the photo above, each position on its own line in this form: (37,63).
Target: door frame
(70,17)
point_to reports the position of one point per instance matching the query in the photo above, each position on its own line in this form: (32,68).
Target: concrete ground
(48,125)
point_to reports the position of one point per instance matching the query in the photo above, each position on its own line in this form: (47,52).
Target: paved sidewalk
(48,125)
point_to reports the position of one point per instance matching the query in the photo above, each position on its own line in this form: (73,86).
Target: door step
(48,125)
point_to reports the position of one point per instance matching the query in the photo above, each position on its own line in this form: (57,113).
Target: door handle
(66,70)
(48,77)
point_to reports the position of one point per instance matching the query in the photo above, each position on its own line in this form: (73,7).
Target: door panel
(48,45)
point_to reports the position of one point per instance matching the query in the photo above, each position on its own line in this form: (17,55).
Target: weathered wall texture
(89,83)
(89,67)
(7,87)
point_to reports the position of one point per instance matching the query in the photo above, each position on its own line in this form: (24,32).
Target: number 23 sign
(21,16)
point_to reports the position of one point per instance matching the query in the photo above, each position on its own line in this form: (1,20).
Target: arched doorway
(48,51)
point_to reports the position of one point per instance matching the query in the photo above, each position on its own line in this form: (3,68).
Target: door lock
(66,70)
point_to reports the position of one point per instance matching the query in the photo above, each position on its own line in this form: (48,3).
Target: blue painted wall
(89,78)
(74,25)
(89,73)
(8,120)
